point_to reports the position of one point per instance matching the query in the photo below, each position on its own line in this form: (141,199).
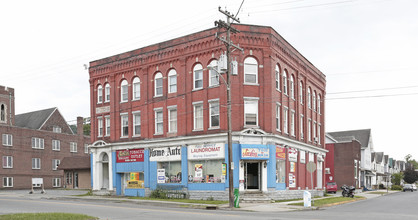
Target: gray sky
(358,44)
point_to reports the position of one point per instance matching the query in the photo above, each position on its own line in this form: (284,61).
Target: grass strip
(46,216)
(211,202)
(330,201)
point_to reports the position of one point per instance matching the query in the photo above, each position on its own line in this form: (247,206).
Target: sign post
(311,167)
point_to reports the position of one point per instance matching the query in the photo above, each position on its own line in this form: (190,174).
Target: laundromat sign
(254,152)
(132,155)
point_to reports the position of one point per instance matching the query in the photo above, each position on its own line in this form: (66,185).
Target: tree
(410,175)
(86,129)
(396,178)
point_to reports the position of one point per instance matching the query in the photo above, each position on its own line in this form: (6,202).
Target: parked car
(408,187)
(414,187)
(332,187)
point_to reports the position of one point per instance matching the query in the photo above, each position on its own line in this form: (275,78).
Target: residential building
(76,172)
(34,144)
(159,116)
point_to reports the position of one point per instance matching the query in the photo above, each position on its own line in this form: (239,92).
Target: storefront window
(172,171)
(280,171)
(205,171)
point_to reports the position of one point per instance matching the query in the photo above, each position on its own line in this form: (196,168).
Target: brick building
(156,111)
(34,143)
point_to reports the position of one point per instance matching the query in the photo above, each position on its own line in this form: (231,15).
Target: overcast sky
(366,48)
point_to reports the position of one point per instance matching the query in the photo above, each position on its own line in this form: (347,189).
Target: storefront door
(252,174)
(124,182)
(75,180)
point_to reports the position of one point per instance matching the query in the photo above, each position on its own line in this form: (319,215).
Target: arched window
(292,87)
(198,76)
(284,76)
(213,75)
(301,92)
(277,70)
(319,103)
(158,84)
(309,97)
(107,92)
(314,101)
(99,94)
(124,91)
(250,70)
(136,88)
(172,81)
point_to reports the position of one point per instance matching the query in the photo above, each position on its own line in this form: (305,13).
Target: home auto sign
(132,155)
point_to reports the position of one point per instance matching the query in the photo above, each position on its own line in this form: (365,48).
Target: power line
(372,90)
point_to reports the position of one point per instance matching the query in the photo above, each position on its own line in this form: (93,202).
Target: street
(400,205)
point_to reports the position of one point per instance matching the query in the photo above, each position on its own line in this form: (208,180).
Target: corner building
(159,117)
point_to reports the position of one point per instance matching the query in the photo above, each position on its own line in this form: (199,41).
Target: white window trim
(133,123)
(73,147)
(292,87)
(172,72)
(199,103)
(286,120)
(105,98)
(86,149)
(195,68)
(252,99)
(133,88)
(155,84)
(55,164)
(278,116)
(309,130)
(302,135)
(121,124)
(292,123)
(169,109)
(38,141)
(214,64)
(6,138)
(121,91)
(278,78)
(7,158)
(285,84)
(36,159)
(53,182)
(158,110)
(100,127)
(106,131)
(301,92)
(210,114)
(256,74)
(99,94)
(58,148)
(8,181)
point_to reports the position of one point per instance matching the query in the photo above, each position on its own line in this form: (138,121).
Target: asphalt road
(394,206)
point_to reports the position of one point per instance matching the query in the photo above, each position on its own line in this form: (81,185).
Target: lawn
(331,201)
(211,202)
(46,216)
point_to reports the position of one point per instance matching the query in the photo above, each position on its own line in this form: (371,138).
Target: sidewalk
(255,207)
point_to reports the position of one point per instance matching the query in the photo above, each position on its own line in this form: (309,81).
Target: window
(314,101)
(73,147)
(137,123)
(198,116)
(36,163)
(172,81)
(319,104)
(56,129)
(250,70)
(292,87)
(107,92)
(355,169)
(55,163)
(124,91)
(7,181)
(214,113)
(56,182)
(86,148)
(56,145)
(205,171)
(2,113)
(285,82)
(172,171)
(100,127)
(213,75)
(314,130)
(251,112)
(158,84)
(99,94)
(309,97)
(7,140)
(286,120)
(7,162)
(319,133)
(68,178)
(301,92)
(37,143)
(198,76)
(281,171)
(292,122)
(107,124)
(159,121)
(278,116)
(301,127)
(172,119)
(136,89)
(277,70)
(124,127)
(309,130)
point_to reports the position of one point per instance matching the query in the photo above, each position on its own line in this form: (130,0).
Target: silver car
(408,187)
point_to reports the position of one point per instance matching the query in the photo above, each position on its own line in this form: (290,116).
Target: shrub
(381,186)
(158,194)
(396,187)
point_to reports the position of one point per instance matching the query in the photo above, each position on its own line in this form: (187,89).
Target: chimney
(80,125)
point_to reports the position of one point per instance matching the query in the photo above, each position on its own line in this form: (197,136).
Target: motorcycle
(348,191)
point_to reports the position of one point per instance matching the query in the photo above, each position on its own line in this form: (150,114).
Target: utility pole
(228,44)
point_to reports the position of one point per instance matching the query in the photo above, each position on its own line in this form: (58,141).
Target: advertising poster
(223,169)
(198,170)
(132,155)
(292,180)
(134,176)
(160,175)
(292,167)
(206,151)
(280,153)
(293,154)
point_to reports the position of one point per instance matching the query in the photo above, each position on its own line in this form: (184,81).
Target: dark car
(408,187)
(332,187)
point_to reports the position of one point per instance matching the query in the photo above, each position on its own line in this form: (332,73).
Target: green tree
(410,176)
(396,178)
(86,129)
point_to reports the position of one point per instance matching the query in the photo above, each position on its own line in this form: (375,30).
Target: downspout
(10,108)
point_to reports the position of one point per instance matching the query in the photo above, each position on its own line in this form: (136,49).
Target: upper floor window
(309,98)
(158,84)
(277,70)
(301,127)
(284,76)
(251,112)
(198,76)
(159,121)
(124,91)
(86,148)
(172,81)
(309,130)
(172,119)
(214,113)
(198,116)
(213,75)
(7,162)
(99,94)
(37,143)
(56,129)
(107,92)
(55,164)
(136,88)
(124,127)
(56,145)
(278,117)
(292,122)
(107,126)
(319,104)
(73,147)
(137,123)
(36,163)
(286,120)
(100,127)
(7,139)
(292,87)
(314,101)
(2,113)
(250,70)
(301,92)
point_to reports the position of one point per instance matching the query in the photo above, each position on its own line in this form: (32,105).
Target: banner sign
(135,184)
(280,153)
(293,154)
(206,151)
(256,152)
(160,175)
(131,155)
(165,154)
